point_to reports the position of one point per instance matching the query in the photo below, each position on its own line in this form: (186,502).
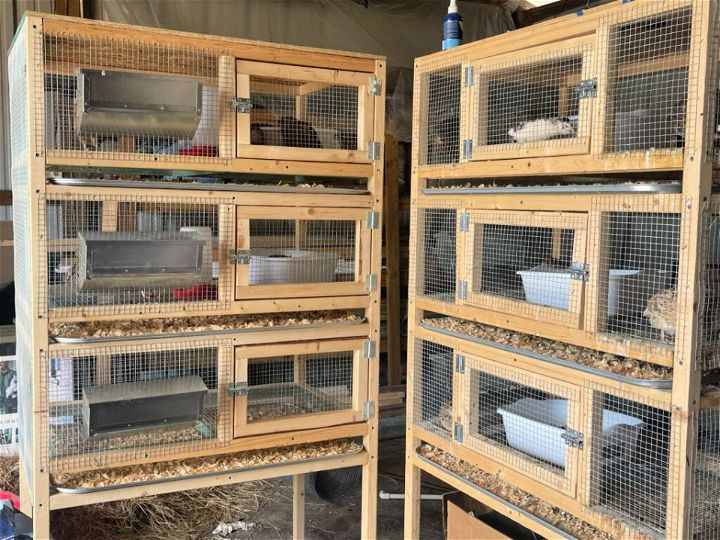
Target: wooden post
(299,506)
(392,263)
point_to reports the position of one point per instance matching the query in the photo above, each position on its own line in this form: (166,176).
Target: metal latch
(467,148)
(371,281)
(459,436)
(369,348)
(464,222)
(573,438)
(241,105)
(469,75)
(237,389)
(374,85)
(368,410)
(579,271)
(460,363)
(373,219)
(463,290)
(586,88)
(240,256)
(373,150)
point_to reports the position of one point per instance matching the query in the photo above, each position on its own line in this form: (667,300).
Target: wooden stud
(299,507)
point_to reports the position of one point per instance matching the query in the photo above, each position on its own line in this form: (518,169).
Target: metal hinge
(371,281)
(464,222)
(237,389)
(241,105)
(573,438)
(369,348)
(579,271)
(586,88)
(463,290)
(469,75)
(239,256)
(459,433)
(373,219)
(467,148)
(373,150)
(374,85)
(368,410)
(460,363)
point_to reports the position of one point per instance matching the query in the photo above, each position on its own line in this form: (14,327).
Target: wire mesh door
(286,387)
(521,420)
(539,105)
(647,75)
(439,121)
(301,252)
(301,113)
(530,264)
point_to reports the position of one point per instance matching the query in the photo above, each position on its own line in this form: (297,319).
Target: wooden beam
(299,507)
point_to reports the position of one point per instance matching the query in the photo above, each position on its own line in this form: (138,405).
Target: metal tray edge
(79,491)
(648,383)
(607,188)
(200,186)
(487,493)
(211,333)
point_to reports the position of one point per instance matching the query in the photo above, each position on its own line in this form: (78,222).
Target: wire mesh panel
(709,357)
(123,254)
(439,123)
(330,249)
(433,388)
(115,98)
(636,242)
(520,419)
(527,263)
(116,404)
(436,244)
(533,105)
(647,78)
(629,446)
(706,480)
(294,386)
(287,106)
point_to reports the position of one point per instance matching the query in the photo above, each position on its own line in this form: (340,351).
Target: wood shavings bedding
(545,511)
(571,353)
(211,464)
(139,327)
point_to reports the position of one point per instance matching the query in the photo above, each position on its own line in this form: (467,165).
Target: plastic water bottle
(452,27)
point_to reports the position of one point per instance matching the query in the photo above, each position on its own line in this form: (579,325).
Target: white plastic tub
(536,426)
(549,287)
(291,266)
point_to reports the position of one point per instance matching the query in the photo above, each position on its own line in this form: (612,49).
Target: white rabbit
(541,129)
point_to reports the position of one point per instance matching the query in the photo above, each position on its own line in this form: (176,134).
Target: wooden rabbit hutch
(198,246)
(563,289)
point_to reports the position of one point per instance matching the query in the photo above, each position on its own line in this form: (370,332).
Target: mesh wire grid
(519,419)
(113,97)
(637,265)
(299,385)
(123,254)
(706,476)
(436,230)
(81,431)
(648,85)
(439,123)
(521,261)
(433,388)
(303,114)
(534,102)
(629,460)
(302,251)
(709,335)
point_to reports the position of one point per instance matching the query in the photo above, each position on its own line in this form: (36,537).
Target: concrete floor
(325,521)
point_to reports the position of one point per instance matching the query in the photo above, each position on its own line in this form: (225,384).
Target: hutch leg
(368,519)
(299,506)
(412,490)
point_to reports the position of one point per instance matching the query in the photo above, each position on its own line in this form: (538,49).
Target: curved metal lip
(69,340)
(605,188)
(78,491)
(200,186)
(661,384)
(519,510)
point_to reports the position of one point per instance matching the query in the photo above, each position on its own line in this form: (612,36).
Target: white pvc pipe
(385,496)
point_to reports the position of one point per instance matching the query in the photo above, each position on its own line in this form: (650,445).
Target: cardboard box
(464,518)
